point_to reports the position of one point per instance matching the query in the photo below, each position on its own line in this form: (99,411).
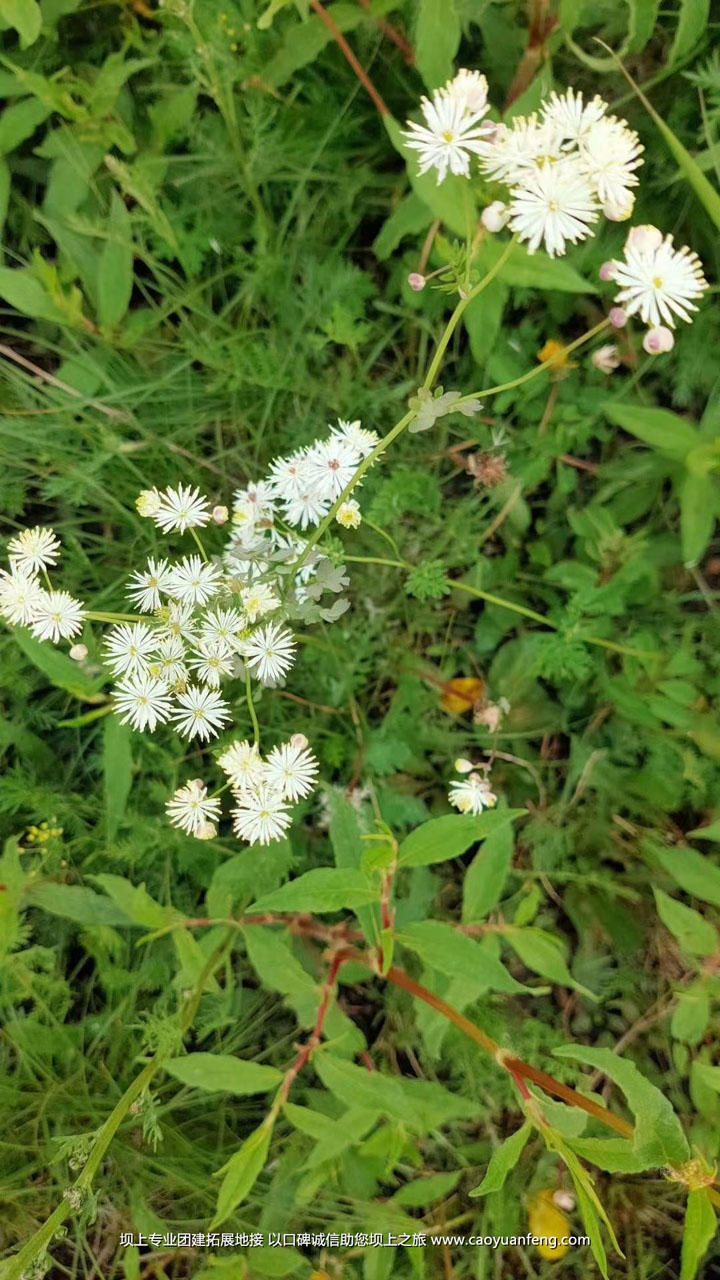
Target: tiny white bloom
(495,216)
(243,765)
(358,437)
(20,593)
(178,619)
(191,807)
(258,600)
(571,116)
(182,508)
(200,713)
(645,238)
(56,615)
(470,87)
(606,359)
(659,283)
(148,503)
(288,476)
(220,515)
(512,153)
(610,153)
(145,586)
(555,204)
(129,648)
(34,549)
(222,626)
(472,795)
(212,661)
(257,501)
(449,136)
(621,209)
(304,509)
(193,581)
(261,815)
(269,652)
(293,769)
(463,766)
(349,515)
(142,701)
(170,661)
(331,465)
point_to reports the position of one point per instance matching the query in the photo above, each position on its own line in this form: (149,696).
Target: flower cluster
(25,601)
(263,790)
(657,282)
(473,794)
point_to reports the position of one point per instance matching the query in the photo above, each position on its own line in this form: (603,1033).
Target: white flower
(258,600)
(191,807)
(180,509)
(306,508)
(470,87)
(449,136)
(609,155)
(349,515)
(606,358)
(56,615)
(34,549)
(145,587)
(142,701)
(200,713)
(255,502)
(20,593)
(169,665)
(513,153)
(359,439)
(193,581)
(212,661)
(292,768)
(242,763)
(555,204)
(659,283)
(129,648)
(331,465)
(148,502)
(571,116)
(269,652)
(179,620)
(495,216)
(261,815)
(288,476)
(472,795)
(221,626)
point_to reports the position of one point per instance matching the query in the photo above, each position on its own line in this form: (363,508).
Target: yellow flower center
(448,136)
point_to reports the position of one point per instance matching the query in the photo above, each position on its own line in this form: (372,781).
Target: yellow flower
(555,352)
(547,1220)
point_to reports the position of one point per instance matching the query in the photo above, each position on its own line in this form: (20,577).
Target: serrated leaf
(457,955)
(503,1160)
(242,1171)
(700,1228)
(78,903)
(135,902)
(525,270)
(420,1104)
(614,1155)
(695,934)
(117,772)
(115,270)
(223,1073)
(540,952)
(324,889)
(450,837)
(658,1133)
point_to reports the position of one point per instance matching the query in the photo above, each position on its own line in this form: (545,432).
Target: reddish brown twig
(393,34)
(307,1050)
(360,72)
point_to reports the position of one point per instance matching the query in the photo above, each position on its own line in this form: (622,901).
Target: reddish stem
(309,1048)
(361,74)
(393,34)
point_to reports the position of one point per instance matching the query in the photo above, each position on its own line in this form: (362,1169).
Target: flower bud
(564,1200)
(78,653)
(416,281)
(495,216)
(658,340)
(220,515)
(206,831)
(645,238)
(607,271)
(606,359)
(148,502)
(349,515)
(617,317)
(299,740)
(463,766)
(619,210)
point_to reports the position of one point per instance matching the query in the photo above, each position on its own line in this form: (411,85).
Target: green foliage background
(207,237)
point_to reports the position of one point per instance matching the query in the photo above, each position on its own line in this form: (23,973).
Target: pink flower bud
(645,238)
(416,281)
(658,340)
(617,317)
(78,653)
(299,740)
(220,515)
(619,210)
(607,271)
(495,217)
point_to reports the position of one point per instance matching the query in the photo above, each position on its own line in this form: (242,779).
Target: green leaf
(117,772)
(698,503)
(276,966)
(410,217)
(305,42)
(222,1073)
(525,270)
(243,1170)
(710,832)
(18,123)
(437,39)
(135,902)
(710,1076)
(452,201)
(695,934)
(614,1155)
(483,319)
(426,1191)
(324,889)
(457,955)
(78,903)
(60,670)
(26,294)
(541,952)
(643,18)
(700,1228)
(691,1014)
(692,871)
(115,271)
(419,1104)
(691,27)
(450,837)
(665,431)
(485,878)
(658,1134)
(503,1159)
(349,851)
(25,17)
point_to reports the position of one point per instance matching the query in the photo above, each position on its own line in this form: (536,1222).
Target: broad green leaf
(694,872)
(349,850)
(691,27)
(503,1160)
(698,505)
(614,1155)
(410,217)
(691,1014)
(332,1136)
(115,270)
(303,43)
(695,934)
(457,955)
(710,1076)
(710,832)
(591,1209)
(24,16)
(437,39)
(659,1137)
(117,772)
(540,952)
(665,431)
(242,1171)
(136,903)
(420,1104)
(222,1073)
(483,319)
(485,878)
(426,1191)
(643,18)
(23,290)
(20,122)
(700,1228)
(450,837)
(324,889)
(76,902)
(525,270)
(276,966)
(60,670)
(452,201)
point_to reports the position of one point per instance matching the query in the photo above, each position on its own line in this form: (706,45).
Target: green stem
(200,546)
(541,368)
(114,617)
(251,706)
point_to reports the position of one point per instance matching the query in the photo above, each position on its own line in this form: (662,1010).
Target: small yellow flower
(555,352)
(547,1220)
